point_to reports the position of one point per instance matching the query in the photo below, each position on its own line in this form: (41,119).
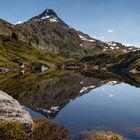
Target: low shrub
(42,130)
(48,131)
(11,131)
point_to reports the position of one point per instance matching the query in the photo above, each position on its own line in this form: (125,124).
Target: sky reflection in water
(105,108)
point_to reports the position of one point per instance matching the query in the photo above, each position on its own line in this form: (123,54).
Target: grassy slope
(116,60)
(12,51)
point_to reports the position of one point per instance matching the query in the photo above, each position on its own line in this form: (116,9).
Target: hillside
(122,62)
(14,52)
(47,39)
(51,33)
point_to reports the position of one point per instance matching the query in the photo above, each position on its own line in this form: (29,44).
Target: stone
(11,110)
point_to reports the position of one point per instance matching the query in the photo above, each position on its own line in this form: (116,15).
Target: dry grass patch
(94,135)
(42,130)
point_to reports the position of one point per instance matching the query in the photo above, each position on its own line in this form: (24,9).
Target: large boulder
(11,110)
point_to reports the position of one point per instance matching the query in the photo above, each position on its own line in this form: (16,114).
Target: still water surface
(80,101)
(109,107)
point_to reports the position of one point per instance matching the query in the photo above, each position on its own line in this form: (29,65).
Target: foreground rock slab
(11,110)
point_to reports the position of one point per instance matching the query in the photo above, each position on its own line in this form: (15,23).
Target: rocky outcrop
(11,110)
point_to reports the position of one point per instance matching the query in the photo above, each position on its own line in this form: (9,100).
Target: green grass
(13,51)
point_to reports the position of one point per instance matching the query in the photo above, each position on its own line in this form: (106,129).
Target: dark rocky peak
(48,14)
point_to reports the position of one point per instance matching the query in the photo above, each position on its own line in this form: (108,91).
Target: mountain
(114,62)
(49,15)
(47,39)
(14,51)
(6,28)
(49,32)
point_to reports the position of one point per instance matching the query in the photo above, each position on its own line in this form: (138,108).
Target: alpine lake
(81,101)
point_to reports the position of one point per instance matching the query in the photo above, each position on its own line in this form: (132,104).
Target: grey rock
(11,110)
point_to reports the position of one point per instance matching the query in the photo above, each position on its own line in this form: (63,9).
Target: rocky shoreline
(17,124)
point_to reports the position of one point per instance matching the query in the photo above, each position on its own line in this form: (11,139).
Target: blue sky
(107,20)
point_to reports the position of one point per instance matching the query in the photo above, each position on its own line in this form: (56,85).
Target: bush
(11,131)
(48,131)
(42,130)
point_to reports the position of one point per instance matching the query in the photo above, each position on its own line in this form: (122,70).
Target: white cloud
(111,95)
(110,31)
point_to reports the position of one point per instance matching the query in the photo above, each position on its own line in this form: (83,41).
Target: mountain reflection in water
(49,93)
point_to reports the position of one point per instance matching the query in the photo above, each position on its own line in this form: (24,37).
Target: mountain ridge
(48,17)
(49,34)
(47,14)
(64,36)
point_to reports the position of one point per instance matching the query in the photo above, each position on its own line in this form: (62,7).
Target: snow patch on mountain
(19,22)
(84,89)
(50,18)
(86,39)
(45,17)
(53,20)
(111,44)
(48,14)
